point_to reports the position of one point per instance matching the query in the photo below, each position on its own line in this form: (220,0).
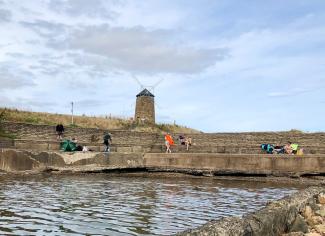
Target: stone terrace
(43,137)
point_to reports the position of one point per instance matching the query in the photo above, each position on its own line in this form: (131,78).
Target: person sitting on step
(181,139)
(279,149)
(79,148)
(294,148)
(287,148)
(268,148)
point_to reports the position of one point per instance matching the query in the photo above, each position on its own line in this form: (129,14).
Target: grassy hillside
(14,115)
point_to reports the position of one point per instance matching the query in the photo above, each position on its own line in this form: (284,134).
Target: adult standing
(59,130)
(168,142)
(107,141)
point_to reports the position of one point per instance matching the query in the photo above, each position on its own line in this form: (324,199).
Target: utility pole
(72,113)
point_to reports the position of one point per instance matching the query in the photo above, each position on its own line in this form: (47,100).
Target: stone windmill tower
(145,107)
(145,104)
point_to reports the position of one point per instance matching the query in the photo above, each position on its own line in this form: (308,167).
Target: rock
(320,213)
(321,207)
(299,225)
(294,234)
(321,198)
(313,234)
(320,229)
(308,212)
(315,220)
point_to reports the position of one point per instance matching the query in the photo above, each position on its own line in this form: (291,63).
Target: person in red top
(168,142)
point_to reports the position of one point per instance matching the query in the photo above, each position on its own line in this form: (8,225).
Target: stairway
(6,143)
(43,137)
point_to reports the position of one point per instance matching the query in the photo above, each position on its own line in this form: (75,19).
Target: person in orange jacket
(168,142)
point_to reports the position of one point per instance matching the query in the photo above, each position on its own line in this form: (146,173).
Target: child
(188,142)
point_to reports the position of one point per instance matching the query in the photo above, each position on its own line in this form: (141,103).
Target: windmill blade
(156,84)
(138,81)
(152,88)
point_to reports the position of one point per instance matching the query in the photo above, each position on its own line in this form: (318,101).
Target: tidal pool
(101,204)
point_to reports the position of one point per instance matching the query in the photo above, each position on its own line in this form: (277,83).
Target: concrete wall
(235,163)
(6,142)
(214,164)
(12,160)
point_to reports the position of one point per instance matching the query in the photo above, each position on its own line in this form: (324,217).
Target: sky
(220,65)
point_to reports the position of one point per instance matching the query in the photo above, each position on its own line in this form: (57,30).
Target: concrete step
(45,145)
(6,143)
(132,141)
(226,149)
(155,148)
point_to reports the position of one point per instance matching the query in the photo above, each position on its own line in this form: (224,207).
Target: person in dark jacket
(59,130)
(107,141)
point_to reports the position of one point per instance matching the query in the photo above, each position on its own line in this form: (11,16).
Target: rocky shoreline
(311,221)
(297,215)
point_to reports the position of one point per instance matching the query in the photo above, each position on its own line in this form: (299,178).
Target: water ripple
(105,205)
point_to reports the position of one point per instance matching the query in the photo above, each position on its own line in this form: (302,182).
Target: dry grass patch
(105,122)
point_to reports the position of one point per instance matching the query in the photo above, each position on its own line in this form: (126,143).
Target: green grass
(5,135)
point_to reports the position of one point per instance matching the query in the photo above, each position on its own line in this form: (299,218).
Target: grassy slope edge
(107,122)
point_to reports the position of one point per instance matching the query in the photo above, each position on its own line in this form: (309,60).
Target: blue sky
(227,65)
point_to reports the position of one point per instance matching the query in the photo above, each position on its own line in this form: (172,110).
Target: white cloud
(93,8)
(144,51)
(14,77)
(220,66)
(290,92)
(5,15)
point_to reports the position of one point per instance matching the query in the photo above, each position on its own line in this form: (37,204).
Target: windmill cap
(145,93)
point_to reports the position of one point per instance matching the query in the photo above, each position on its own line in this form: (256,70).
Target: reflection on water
(100,204)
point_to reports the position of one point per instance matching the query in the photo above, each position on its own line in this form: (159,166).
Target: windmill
(150,88)
(145,103)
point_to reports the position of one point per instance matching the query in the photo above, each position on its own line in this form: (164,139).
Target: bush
(74,125)
(2,132)
(2,118)
(33,120)
(296,131)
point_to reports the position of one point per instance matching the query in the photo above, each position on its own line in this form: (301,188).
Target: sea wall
(193,163)
(12,160)
(301,213)
(238,163)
